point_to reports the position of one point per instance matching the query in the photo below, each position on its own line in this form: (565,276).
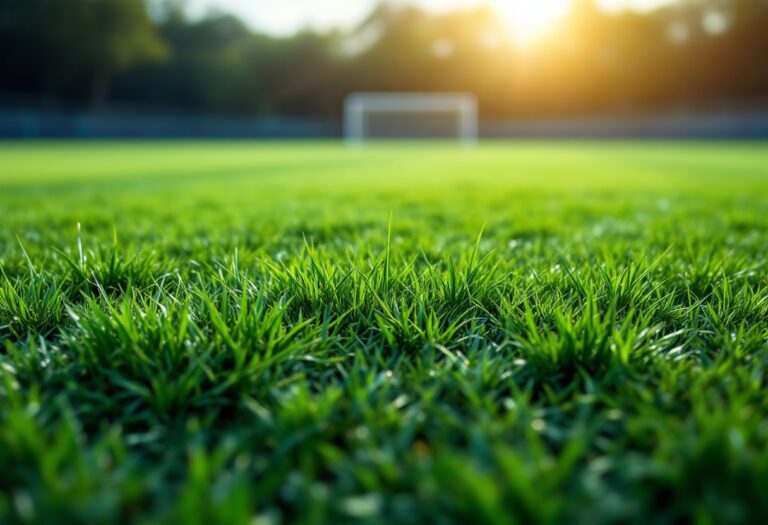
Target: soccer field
(540,332)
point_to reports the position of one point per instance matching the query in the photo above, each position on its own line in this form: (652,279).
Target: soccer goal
(393,116)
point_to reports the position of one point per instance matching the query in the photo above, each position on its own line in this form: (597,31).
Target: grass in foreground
(545,333)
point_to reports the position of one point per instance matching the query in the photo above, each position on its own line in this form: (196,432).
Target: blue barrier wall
(20,124)
(36,124)
(745,125)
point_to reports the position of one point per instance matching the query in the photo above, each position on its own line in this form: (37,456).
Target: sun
(531,20)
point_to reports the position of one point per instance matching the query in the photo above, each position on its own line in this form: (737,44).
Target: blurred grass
(532,332)
(104,161)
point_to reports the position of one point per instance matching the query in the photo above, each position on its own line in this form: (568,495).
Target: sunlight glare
(531,20)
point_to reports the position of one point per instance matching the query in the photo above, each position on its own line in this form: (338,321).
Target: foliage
(592,62)
(80,42)
(240,333)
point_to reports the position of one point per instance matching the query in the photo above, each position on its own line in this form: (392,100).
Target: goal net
(393,116)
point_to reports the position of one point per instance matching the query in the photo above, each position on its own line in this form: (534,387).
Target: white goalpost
(371,116)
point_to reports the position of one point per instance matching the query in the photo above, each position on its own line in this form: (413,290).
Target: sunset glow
(529,20)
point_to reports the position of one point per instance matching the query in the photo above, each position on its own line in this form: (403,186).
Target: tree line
(115,53)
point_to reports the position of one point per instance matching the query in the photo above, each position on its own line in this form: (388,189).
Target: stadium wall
(36,124)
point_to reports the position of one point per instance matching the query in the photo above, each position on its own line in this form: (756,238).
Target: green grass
(277,333)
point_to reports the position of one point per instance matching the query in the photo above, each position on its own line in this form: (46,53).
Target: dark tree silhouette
(693,53)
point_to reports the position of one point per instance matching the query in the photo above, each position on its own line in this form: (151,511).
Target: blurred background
(282,68)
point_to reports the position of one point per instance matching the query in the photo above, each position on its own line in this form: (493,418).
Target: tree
(77,42)
(107,37)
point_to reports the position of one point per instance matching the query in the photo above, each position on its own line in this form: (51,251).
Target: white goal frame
(358,106)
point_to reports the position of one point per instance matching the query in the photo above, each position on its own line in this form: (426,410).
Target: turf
(276,333)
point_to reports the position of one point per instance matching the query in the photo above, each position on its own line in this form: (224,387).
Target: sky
(283,17)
